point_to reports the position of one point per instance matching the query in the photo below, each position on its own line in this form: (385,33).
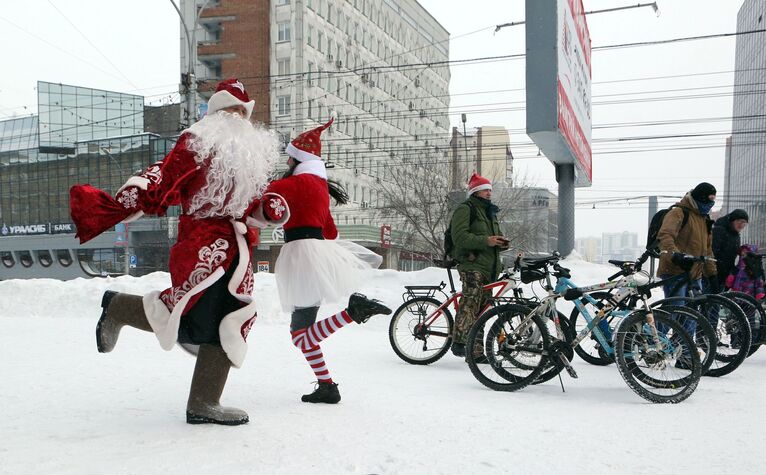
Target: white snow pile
(64,408)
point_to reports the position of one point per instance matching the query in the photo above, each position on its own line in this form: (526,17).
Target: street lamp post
(190,81)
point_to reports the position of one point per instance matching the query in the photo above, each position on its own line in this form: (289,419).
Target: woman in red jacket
(313,266)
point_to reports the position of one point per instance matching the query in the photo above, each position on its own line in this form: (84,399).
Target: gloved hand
(682,260)
(713,285)
(760,296)
(729,281)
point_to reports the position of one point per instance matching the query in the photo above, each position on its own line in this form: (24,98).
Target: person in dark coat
(726,240)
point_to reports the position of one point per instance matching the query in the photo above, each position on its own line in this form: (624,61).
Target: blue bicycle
(521,347)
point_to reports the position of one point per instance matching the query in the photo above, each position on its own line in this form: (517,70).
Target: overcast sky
(133,46)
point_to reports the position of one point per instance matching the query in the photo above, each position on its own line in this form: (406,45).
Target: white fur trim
(230,332)
(240,229)
(313,167)
(257,218)
(300,155)
(485,186)
(223,99)
(164,323)
(138,181)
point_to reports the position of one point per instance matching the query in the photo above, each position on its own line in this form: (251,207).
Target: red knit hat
(308,145)
(478,183)
(230,93)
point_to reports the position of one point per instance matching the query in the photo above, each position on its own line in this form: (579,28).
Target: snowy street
(64,408)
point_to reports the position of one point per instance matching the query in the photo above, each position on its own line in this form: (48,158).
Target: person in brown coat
(686,229)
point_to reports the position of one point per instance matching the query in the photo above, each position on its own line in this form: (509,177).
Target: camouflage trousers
(471,303)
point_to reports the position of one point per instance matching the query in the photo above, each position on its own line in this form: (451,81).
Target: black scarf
(491,209)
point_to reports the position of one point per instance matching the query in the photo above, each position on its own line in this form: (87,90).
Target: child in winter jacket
(747,276)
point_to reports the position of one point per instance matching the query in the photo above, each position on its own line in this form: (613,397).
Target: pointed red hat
(478,183)
(308,145)
(228,93)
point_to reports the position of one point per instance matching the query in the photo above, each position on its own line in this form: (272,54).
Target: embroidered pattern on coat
(278,206)
(209,258)
(129,197)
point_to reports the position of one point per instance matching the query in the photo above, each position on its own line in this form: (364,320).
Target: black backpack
(656,224)
(449,245)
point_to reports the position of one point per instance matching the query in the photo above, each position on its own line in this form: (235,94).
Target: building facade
(377,67)
(485,150)
(745,169)
(80,135)
(621,246)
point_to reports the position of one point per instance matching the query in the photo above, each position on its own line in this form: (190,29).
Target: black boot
(360,308)
(324,392)
(458,349)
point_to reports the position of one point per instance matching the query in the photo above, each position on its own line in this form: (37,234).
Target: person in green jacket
(477,244)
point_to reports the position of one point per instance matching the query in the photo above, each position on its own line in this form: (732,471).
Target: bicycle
(732,327)
(626,301)
(420,331)
(518,345)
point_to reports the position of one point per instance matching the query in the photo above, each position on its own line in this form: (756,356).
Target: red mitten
(729,281)
(274,207)
(760,296)
(94,211)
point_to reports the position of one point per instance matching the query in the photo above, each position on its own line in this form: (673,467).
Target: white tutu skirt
(312,271)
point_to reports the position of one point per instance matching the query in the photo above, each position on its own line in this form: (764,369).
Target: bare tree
(418,204)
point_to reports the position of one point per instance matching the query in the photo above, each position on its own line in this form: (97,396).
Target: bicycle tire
(510,382)
(630,370)
(705,337)
(603,359)
(393,328)
(756,316)
(735,324)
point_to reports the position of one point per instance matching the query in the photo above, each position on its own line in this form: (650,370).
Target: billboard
(559,83)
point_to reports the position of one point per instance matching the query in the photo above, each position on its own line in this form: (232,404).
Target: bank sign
(40,228)
(559,83)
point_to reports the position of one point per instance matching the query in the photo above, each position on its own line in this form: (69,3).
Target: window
(283,2)
(283,31)
(44,257)
(283,66)
(7,259)
(311,108)
(329,13)
(320,36)
(310,36)
(25,257)
(283,105)
(64,257)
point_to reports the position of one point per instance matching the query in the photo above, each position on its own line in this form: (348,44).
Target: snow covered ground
(64,408)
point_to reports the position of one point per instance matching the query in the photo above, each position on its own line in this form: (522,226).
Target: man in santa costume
(313,265)
(217,173)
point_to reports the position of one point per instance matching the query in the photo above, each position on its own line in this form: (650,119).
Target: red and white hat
(478,183)
(230,93)
(308,145)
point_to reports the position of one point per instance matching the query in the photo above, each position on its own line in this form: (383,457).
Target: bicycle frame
(498,289)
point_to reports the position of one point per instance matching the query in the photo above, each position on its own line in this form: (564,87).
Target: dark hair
(336,190)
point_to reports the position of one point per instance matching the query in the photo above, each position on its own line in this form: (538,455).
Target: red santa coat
(204,251)
(309,200)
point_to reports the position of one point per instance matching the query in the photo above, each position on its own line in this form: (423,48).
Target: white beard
(241,156)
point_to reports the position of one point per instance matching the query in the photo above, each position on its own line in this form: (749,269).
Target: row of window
(43,257)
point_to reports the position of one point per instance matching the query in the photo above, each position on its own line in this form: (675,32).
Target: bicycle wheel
(704,335)
(413,340)
(565,346)
(590,349)
(755,314)
(732,332)
(661,369)
(514,348)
